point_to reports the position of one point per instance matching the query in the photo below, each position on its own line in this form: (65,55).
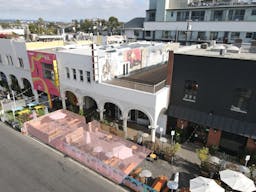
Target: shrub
(203,154)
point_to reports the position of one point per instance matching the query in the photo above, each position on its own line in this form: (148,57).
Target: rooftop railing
(138,86)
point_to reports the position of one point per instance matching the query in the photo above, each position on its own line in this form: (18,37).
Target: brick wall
(213,137)
(251,146)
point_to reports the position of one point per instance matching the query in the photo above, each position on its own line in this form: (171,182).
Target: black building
(215,95)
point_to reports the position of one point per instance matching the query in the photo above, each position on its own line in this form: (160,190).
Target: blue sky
(66,10)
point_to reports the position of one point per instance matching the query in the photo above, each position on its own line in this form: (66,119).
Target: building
(124,84)
(199,21)
(14,67)
(213,98)
(134,28)
(120,83)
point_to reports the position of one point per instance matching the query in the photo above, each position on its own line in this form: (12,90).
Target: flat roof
(216,53)
(150,75)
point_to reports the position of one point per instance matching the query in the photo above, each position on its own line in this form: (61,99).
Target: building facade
(195,21)
(213,99)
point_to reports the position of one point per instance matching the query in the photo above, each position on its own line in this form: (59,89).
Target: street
(28,166)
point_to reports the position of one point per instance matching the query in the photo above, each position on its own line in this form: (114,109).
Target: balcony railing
(138,86)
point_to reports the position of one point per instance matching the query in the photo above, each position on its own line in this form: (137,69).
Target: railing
(138,86)
(217,4)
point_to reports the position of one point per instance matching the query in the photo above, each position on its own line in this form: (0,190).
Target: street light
(172,134)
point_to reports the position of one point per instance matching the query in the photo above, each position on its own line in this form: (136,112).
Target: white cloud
(66,10)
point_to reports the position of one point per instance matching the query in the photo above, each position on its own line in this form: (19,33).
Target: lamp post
(247,158)
(172,134)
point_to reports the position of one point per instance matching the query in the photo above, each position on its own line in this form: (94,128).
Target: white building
(121,83)
(102,79)
(200,21)
(14,65)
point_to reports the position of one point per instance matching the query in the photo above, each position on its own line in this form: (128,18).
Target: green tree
(113,24)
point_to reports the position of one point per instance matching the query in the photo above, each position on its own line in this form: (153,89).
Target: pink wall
(41,83)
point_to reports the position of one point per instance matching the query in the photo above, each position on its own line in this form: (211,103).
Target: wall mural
(133,56)
(36,61)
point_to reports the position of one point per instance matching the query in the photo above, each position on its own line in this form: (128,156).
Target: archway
(113,113)
(15,84)
(90,109)
(71,102)
(138,120)
(27,91)
(4,81)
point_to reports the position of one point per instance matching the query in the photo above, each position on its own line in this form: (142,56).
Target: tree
(113,24)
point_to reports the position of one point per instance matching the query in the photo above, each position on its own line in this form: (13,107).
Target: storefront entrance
(231,143)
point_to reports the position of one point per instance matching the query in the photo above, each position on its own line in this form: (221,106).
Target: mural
(133,56)
(44,72)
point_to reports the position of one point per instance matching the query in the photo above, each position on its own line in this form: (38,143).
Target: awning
(214,121)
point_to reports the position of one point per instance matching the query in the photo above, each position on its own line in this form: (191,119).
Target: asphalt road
(28,166)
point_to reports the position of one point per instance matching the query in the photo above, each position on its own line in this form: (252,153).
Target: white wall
(15,49)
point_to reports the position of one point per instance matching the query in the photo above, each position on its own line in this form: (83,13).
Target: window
(190,91)
(172,14)
(197,15)
(67,73)
(254,35)
(48,71)
(234,35)
(241,100)
(88,74)
(213,35)
(236,15)
(1,59)
(74,74)
(136,33)
(182,15)
(201,35)
(9,59)
(148,33)
(248,35)
(217,15)
(81,75)
(254,12)
(152,16)
(165,34)
(21,62)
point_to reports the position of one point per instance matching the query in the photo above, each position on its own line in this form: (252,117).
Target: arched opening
(113,113)
(90,109)
(27,91)
(138,120)
(4,82)
(15,84)
(71,102)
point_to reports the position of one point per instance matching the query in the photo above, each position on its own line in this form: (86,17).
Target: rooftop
(243,54)
(150,79)
(135,23)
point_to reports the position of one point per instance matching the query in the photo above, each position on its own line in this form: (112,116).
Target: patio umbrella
(214,159)
(237,181)
(203,184)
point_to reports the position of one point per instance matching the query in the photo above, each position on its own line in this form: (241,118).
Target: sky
(66,10)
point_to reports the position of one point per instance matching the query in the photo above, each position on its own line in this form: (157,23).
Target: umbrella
(172,185)
(237,181)
(203,184)
(145,173)
(214,159)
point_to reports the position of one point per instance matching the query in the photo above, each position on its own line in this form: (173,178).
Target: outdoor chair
(159,183)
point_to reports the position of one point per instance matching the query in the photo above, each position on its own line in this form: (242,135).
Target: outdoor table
(173,185)
(145,173)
